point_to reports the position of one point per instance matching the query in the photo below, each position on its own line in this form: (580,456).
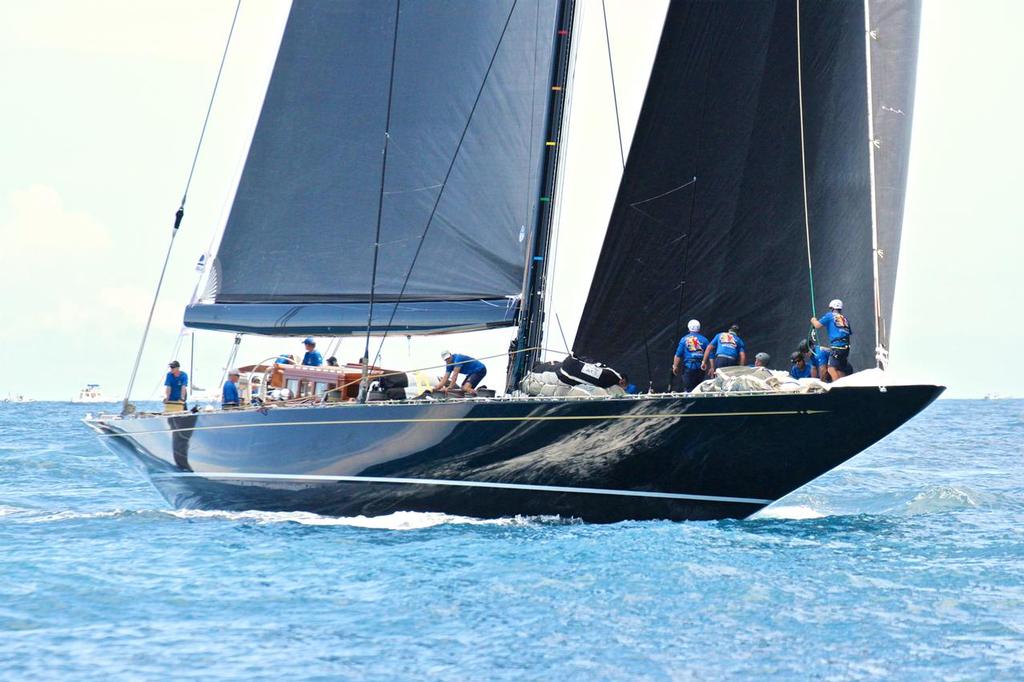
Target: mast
(881,353)
(531,315)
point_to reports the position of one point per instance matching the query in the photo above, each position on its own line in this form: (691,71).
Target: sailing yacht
(414,148)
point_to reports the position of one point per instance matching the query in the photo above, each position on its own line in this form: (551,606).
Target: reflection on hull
(665,457)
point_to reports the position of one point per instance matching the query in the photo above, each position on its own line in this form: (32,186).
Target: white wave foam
(794,512)
(945,498)
(394,521)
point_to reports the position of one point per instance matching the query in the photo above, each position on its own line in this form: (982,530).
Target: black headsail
(464,172)
(709,220)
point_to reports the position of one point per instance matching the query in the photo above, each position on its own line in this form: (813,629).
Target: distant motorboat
(18,398)
(92,393)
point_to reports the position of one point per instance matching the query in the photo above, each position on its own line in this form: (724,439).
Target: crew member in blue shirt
(176,384)
(473,369)
(725,350)
(229,396)
(811,357)
(839,332)
(689,355)
(799,368)
(312,358)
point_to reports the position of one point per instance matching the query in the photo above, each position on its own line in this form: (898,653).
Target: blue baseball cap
(309,341)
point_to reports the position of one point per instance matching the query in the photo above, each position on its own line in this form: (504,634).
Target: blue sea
(905,563)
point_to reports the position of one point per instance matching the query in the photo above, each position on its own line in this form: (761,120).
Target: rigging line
(611,71)
(179,214)
(693,204)
(881,355)
(380,209)
(665,194)
(803,156)
(444,183)
(209,107)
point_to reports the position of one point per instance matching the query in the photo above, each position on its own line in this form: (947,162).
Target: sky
(102,107)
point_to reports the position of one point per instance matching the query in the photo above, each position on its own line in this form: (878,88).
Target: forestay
(468,108)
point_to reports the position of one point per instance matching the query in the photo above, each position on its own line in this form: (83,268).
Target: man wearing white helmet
(473,369)
(689,354)
(839,333)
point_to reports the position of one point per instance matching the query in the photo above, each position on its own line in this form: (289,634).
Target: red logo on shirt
(840,321)
(693,345)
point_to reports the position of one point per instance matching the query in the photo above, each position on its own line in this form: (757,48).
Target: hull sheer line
(465,484)
(354,422)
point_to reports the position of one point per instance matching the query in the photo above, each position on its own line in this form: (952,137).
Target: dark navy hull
(667,457)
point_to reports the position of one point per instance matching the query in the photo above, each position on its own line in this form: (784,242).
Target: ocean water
(906,563)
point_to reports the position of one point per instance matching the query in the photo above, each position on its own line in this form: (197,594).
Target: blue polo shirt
(691,349)
(838,329)
(467,365)
(229,396)
(728,345)
(313,358)
(176,383)
(797,373)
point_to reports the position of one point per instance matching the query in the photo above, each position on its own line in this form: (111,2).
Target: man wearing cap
(839,332)
(725,350)
(176,384)
(312,358)
(762,359)
(799,368)
(689,354)
(229,396)
(456,363)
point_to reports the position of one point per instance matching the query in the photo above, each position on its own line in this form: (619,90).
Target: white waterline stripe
(591,417)
(463,484)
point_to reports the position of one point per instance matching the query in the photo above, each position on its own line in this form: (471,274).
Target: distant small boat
(18,398)
(92,393)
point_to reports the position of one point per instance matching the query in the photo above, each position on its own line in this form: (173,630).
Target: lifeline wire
(179,214)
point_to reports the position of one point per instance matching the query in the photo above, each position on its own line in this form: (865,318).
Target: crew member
(283,359)
(689,355)
(762,359)
(839,332)
(473,369)
(332,361)
(229,395)
(176,384)
(799,368)
(811,357)
(725,350)
(312,358)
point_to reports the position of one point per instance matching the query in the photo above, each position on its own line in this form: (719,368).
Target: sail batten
(459,200)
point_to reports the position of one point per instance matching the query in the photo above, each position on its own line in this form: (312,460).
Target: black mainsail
(709,220)
(464,172)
